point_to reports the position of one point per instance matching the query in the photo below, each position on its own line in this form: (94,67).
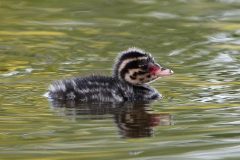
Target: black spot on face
(135,74)
(133,77)
(141,72)
(141,79)
(129,66)
(149,76)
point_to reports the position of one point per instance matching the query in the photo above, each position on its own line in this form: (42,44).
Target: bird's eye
(143,66)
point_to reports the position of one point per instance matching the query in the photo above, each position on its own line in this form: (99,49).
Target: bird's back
(92,88)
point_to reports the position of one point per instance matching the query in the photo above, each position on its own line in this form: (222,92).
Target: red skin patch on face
(154,69)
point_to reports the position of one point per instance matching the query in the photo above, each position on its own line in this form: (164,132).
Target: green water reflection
(41,41)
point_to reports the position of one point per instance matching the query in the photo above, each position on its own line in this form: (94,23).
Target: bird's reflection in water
(134,120)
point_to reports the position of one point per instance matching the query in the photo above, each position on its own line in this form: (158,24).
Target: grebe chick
(134,68)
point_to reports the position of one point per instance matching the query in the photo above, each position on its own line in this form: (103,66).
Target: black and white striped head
(137,67)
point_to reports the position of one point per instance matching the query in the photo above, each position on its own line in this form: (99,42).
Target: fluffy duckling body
(133,69)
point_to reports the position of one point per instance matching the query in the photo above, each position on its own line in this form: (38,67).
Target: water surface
(41,41)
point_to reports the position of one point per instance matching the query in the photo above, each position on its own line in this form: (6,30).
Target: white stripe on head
(125,62)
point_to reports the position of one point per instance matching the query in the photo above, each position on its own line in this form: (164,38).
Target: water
(41,41)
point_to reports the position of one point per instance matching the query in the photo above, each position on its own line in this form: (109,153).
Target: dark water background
(41,41)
